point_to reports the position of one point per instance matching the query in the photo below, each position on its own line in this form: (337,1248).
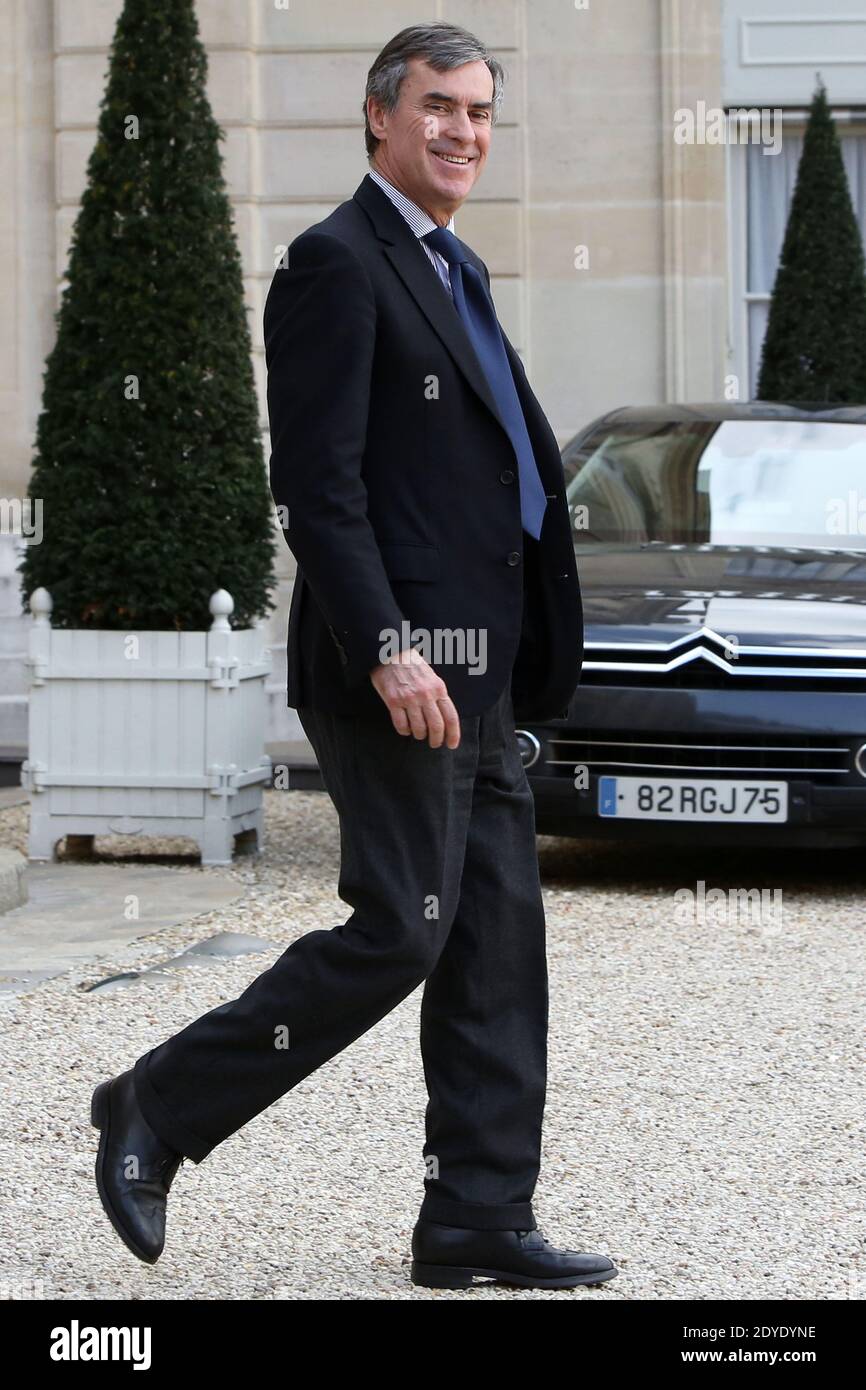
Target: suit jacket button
(506,476)
(513,557)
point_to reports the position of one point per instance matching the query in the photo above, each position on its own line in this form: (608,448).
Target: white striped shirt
(420,222)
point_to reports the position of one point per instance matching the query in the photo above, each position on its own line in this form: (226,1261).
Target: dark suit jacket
(398,481)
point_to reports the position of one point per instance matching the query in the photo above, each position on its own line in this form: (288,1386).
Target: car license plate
(674,798)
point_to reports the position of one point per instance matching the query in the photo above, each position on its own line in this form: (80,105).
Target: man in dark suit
(421,491)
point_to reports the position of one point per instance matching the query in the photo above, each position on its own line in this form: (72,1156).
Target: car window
(749,482)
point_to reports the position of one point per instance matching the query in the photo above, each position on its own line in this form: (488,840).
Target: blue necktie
(475,308)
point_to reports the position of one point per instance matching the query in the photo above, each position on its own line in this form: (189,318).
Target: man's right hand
(417,699)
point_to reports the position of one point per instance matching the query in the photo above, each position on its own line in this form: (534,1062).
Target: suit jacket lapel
(410,262)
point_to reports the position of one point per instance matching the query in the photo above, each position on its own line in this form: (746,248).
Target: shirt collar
(420,221)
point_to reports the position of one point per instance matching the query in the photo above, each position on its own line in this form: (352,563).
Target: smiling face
(434,144)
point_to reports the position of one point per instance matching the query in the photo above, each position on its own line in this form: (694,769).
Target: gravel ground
(704,1125)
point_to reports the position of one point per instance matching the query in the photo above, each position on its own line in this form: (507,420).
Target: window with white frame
(760,188)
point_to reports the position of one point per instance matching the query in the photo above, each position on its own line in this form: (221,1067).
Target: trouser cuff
(478,1216)
(163,1121)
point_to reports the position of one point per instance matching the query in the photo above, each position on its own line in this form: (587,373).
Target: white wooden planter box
(146,733)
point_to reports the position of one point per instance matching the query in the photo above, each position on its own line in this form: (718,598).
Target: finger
(435,724)
(451,720)
(400,720)
(417,720)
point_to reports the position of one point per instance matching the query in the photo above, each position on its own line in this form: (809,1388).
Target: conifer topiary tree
(149,461)
(815,345)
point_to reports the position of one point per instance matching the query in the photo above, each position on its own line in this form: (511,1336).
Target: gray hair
(443,46)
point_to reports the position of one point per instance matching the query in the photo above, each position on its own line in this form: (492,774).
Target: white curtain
(770,187)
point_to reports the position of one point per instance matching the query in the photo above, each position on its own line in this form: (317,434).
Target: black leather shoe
(451,1257)
(135,1205)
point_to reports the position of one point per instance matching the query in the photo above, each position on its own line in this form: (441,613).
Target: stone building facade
(618,249)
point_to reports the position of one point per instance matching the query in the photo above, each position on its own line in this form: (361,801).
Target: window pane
(770,181)
(738,482)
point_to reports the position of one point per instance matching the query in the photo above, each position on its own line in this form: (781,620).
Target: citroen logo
(709,644)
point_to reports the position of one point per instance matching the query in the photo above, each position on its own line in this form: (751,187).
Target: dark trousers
(439,867)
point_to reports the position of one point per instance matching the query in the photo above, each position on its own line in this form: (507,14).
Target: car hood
(765,596)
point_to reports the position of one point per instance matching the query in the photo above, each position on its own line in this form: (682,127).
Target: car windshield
(798,483)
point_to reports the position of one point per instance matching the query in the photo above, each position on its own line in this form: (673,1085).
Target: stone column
(694,206)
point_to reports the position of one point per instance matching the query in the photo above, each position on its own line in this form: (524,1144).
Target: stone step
(13,879)
(13,722)
(14,674)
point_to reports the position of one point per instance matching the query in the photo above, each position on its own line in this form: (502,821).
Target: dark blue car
(722,558)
